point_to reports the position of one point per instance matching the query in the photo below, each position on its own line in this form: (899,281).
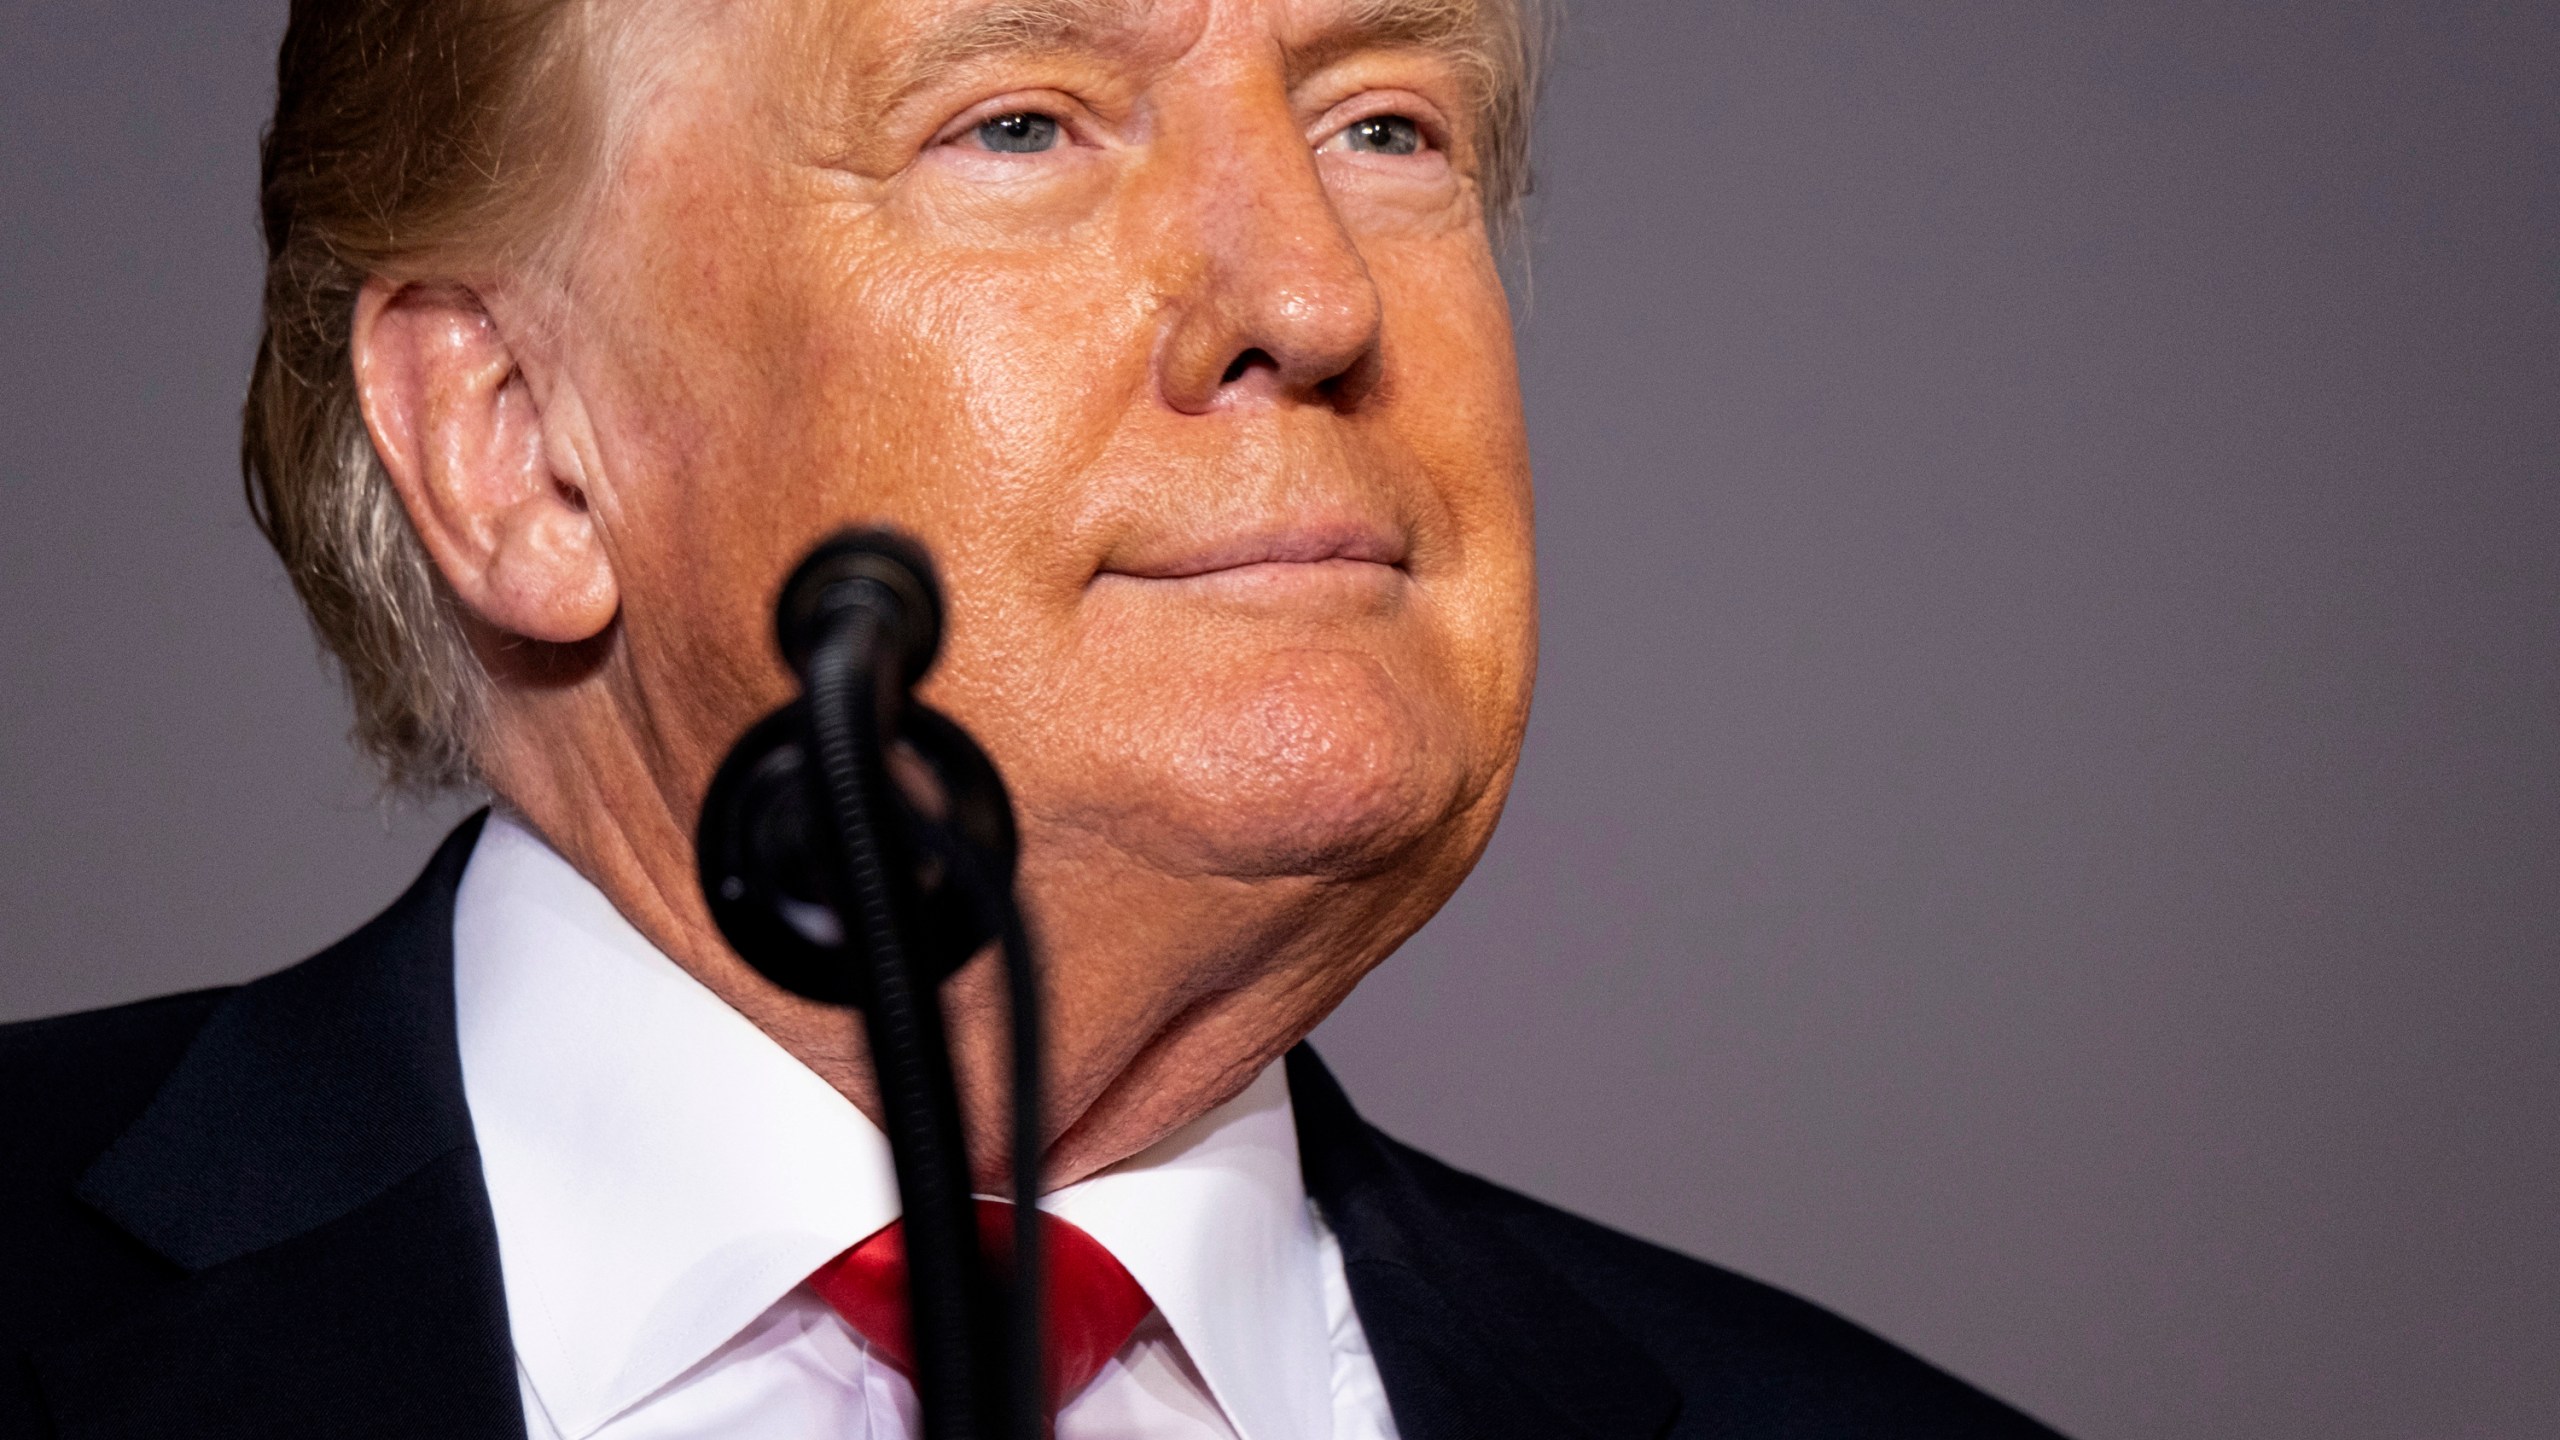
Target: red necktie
(1094,1303)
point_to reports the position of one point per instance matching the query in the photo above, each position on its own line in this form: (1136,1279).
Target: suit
(259,1212)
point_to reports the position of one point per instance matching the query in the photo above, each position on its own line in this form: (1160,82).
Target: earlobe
(463,436)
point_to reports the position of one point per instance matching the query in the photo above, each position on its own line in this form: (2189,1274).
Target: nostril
(1237,368)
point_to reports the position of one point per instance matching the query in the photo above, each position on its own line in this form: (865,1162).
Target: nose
(1273,300)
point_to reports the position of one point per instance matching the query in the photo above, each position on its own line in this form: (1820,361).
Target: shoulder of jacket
(1745,1354)
(70,1083)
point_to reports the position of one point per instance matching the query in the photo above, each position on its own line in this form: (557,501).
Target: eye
(1023,134)
(1383,135)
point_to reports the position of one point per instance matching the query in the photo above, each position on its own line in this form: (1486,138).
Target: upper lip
(1283,544)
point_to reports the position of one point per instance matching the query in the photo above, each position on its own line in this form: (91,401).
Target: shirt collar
(661,1172)
(1213,1220)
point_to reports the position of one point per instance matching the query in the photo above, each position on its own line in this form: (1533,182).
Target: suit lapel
(1474,1335)
(309,1166)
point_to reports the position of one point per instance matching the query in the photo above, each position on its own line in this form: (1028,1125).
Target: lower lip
(1277,583)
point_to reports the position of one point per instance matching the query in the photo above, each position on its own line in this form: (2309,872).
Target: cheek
(1456,391)
(1458,413)
(765,389)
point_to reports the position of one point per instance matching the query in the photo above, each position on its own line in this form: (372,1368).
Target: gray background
(2042,820)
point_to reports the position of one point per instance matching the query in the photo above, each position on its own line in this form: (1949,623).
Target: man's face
(1171,328)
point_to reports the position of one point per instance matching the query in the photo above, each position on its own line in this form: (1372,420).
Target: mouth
(1275,551)
(1299,570)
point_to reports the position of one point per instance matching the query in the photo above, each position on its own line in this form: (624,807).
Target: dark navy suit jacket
(259,1212)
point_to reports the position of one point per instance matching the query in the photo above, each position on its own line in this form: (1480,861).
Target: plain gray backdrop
(2042,821)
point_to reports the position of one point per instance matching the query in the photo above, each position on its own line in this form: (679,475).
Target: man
(1175,330)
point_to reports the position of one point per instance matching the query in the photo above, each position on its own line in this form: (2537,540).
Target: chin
(1308,763)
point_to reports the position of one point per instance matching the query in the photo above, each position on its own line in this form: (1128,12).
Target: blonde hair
(419,139)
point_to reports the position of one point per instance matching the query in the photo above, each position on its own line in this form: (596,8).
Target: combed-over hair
(428,139)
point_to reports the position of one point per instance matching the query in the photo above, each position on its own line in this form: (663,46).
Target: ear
(464,439)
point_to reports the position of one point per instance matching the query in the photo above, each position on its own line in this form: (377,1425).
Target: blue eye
(1385,135)
(1024,134)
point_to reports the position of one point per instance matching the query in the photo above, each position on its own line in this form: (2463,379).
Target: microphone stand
(874,855)
(910,1053)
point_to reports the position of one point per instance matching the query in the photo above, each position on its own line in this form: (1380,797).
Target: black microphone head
(877,566)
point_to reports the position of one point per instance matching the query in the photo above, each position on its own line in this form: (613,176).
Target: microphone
(766,870)
(864,569)
(846,877)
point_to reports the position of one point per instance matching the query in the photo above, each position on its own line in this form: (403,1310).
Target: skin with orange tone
(1206,407)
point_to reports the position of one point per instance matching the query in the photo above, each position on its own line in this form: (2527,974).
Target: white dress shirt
(664,1177)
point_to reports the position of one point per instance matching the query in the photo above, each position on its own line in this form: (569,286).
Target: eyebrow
(1452,26)
(1008,27)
